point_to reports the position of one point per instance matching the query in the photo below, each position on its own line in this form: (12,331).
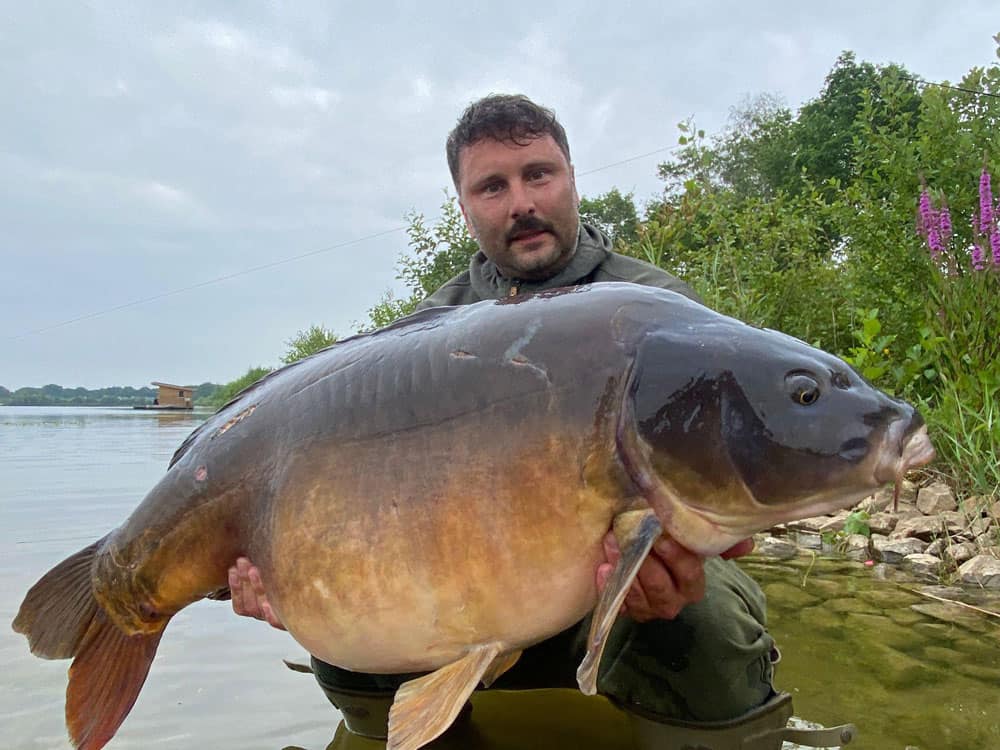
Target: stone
(953,614)
(981,672)
(893,551)
(771,546)
(888,598)
(788,596)
(850,604)
(906,617)
(980,526)
(882,523)
(857,547)
(806,539)
(834,524)
(808,524)
(923,565)
(877,502)
(981,570)
(936,497)
(926,527)
(937,548)
(973,506)
(962,552)
(995,511)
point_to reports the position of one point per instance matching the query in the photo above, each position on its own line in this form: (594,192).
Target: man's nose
(521,201)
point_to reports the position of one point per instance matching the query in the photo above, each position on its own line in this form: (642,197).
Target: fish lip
(915,450)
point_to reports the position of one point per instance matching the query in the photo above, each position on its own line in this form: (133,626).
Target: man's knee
(710,663)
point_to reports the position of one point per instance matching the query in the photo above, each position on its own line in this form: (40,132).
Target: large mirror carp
(432,497)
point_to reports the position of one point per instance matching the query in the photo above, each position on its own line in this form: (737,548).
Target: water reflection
(514,721)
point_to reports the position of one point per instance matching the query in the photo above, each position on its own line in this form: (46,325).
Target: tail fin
(58,609)
(104,681)
(62,619)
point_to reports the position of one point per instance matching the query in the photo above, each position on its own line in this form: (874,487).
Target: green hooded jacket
(593,261)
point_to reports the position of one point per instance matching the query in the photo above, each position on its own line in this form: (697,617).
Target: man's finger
(611,551)
(253,575)
(657,594)
(236,590)
(685,568)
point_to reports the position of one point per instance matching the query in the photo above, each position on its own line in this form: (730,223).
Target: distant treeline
(56,395)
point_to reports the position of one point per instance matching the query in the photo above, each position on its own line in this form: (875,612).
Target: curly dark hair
(511,118)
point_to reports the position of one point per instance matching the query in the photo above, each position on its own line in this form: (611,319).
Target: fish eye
(803,389)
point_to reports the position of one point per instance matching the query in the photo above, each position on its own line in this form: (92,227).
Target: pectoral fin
(500,665)
(635,531)
(426,707)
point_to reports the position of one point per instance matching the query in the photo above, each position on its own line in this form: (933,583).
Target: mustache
(526,224)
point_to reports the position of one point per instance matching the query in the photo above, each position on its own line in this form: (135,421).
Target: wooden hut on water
(170,396)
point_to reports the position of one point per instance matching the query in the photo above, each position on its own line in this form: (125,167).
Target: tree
(437,252)
(227,392)
(826,129)
(612,213)
(308,342)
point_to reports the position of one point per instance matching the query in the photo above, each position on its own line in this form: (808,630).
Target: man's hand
(249,598)
(670,578)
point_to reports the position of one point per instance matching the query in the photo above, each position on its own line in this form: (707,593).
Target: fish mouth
(915,450)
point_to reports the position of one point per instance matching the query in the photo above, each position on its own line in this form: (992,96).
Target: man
(691,647)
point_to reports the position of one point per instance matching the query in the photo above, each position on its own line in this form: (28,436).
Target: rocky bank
(930,534)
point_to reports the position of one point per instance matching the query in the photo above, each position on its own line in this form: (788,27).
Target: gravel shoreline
(930,535)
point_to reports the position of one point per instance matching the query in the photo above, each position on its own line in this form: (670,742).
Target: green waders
(709,670)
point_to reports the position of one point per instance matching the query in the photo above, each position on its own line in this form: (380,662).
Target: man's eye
(493,187)
(538,174)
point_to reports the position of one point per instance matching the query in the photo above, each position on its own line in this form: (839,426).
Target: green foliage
(768,262)
(857,523)
(871,356)
(204,392)
(829,129)
(753,152)
(798,242)
(57,395)
(437,253)
(613,213)
(307,342)
(965,424)
(225,393)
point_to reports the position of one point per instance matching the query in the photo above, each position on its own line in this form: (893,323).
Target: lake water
(855,649)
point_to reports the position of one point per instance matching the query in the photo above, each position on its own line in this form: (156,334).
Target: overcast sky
(147,147)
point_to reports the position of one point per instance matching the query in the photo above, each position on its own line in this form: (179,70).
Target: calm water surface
(854,648)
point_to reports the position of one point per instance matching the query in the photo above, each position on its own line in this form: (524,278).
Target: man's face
(520,203)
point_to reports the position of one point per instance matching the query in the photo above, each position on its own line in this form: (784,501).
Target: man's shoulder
(618,267)
(455,291)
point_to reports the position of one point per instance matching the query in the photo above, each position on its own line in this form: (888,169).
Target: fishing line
(366,238)
(948,86)
(273,264)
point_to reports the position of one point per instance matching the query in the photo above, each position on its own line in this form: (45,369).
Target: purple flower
(995,245)
(977,259)
(934,242)
(926,213)
(985,203)
(944,224)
